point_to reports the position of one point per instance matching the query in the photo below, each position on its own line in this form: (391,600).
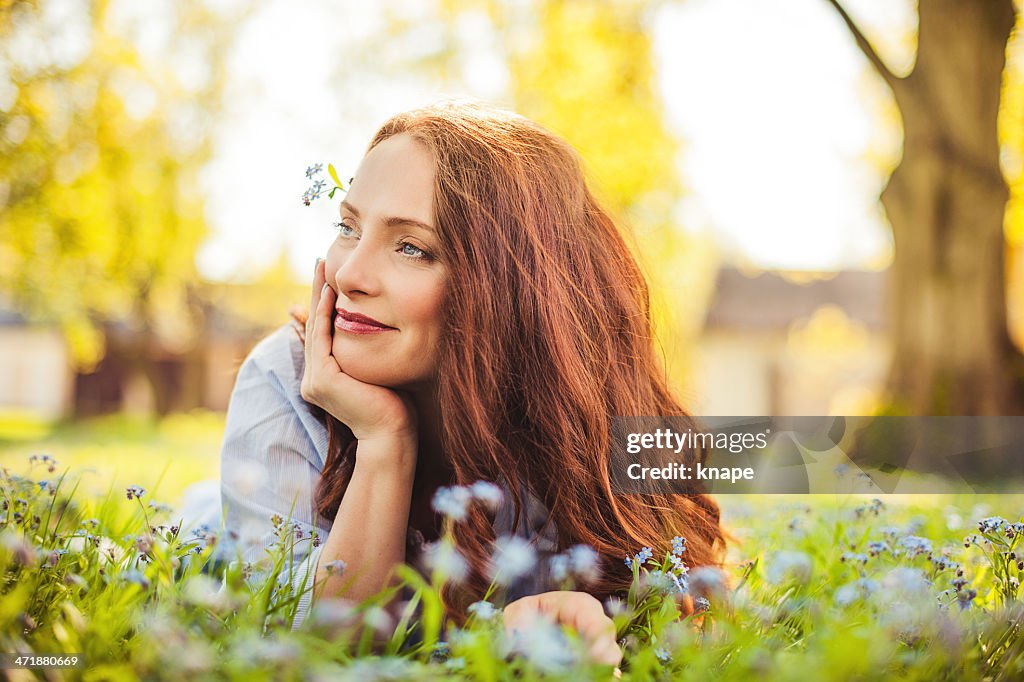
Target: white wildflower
(544,645)
(453,502)
(584,562)
(488,493)
(788,565)
(204,591)
(707,581)
(484,610)
(444,559)
(514,557)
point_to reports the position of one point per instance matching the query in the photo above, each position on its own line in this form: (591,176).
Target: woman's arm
(369,530)
(368,533)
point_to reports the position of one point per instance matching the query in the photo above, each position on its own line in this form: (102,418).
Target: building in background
(773,345)
(36,372)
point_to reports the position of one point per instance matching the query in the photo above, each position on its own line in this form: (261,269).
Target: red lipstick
(356,323)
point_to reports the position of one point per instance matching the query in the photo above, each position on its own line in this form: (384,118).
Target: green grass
(164,456)
(809,595)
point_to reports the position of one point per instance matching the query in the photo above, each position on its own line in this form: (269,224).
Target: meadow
(95,563)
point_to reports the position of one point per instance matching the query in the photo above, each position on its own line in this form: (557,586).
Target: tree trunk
(952,352)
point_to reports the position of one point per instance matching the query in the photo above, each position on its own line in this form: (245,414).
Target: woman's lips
(359,324)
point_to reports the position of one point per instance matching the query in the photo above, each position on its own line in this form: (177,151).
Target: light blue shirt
(272,456)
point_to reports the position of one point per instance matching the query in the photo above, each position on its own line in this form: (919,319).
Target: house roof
(770,301)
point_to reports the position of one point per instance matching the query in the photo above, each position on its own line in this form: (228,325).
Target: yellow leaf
(334,175)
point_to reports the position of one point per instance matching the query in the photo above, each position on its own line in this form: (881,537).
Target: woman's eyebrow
(391,221)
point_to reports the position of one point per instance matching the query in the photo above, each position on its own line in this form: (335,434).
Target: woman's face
(384,266)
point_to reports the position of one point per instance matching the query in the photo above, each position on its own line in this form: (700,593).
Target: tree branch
(890,78)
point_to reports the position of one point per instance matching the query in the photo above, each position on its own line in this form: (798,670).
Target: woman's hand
(578,610)
(370,411)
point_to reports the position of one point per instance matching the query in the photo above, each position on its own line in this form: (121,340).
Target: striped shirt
(272,457)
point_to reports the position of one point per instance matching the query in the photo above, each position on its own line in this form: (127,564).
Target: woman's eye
(345,230)
(413,251)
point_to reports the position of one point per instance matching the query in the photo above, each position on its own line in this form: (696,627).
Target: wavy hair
(547,335)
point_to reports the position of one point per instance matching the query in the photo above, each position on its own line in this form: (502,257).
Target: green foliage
(100,210)
(847,589)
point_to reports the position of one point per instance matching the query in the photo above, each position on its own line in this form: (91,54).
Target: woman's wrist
(392,426)
(392,452)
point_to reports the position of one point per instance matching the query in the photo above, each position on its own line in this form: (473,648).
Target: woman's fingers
(320,366)
(318,283)
(317,287)
(320,338)
(585,613)
(578,610)
(306,332)
(519,614)
(603,647)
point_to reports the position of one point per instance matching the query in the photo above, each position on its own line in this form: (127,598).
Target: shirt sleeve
(270,466)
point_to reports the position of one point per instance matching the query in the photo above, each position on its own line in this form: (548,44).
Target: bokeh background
(826,196)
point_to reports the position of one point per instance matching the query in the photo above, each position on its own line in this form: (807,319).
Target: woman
(479,317)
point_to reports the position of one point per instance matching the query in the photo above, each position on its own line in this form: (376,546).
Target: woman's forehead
(396,177)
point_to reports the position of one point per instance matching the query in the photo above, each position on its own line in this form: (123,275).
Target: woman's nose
(358,272)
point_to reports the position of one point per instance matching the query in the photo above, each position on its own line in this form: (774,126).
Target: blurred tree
(105,112)
(946,202)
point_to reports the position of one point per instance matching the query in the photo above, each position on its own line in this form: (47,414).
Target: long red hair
(547,336)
